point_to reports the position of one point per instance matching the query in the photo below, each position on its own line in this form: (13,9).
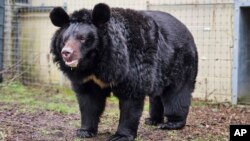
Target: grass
(61,108)
(62,100)
(58,99)
(113,100)
(30,99)
(245,100)
(209,137)
(2,135)
(172,134)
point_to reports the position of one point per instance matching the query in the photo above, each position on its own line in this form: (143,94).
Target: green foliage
(113,100)
(198,103)
(245,100)
(2,135)
(209,137)
(31,99)
(172,134)
(61,108)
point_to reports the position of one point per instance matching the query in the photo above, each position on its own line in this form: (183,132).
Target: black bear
(132,54)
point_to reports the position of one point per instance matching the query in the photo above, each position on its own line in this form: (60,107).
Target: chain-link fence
(1,36)
(28,31)
(27,35)
(211,23)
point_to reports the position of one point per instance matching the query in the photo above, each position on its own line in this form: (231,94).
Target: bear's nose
(66,52)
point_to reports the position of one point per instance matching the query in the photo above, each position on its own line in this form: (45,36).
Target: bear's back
(173,31)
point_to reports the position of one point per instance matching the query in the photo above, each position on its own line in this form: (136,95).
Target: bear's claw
(172,125)
(150,121)
(118,137)
(83,133)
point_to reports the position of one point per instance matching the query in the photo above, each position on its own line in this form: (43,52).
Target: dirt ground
(18,122)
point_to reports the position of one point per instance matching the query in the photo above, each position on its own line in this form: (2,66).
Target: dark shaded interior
(244,55)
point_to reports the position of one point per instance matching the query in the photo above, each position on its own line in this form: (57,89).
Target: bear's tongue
(71,62)
(68,59)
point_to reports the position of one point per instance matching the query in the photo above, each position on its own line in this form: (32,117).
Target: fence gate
(1,37)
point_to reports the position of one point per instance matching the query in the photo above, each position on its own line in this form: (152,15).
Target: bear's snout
(70,53)
(66,53)
(70,57)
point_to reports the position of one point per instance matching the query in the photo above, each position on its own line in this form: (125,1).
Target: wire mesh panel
(28,32)
(26,47)
(211,23)
(1,37)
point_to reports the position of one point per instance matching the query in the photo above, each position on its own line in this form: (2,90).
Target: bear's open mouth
(71,63)
(70,57)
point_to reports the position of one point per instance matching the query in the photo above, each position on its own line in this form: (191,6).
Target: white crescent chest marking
(97,81)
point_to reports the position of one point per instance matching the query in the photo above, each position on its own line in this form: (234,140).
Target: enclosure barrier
(27,32)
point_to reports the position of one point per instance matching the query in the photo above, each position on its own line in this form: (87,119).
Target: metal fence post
(62,76)
(235,53)
(1,36)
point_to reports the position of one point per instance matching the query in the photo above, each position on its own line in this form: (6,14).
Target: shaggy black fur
(137,53)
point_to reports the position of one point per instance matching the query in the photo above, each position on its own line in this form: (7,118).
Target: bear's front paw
(172,125)
(118,137)
(150,121)
(83,133)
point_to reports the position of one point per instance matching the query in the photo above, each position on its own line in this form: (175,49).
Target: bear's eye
(63,43)
(81,39)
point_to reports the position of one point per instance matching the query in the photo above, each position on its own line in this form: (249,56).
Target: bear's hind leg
(176,108)
(155,111)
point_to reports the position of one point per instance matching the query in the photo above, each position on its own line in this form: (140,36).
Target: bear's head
(78,42)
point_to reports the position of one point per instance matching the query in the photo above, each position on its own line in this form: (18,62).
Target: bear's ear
(100,14)
(59,17)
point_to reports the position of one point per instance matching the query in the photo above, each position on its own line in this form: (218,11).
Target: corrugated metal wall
(210,21)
